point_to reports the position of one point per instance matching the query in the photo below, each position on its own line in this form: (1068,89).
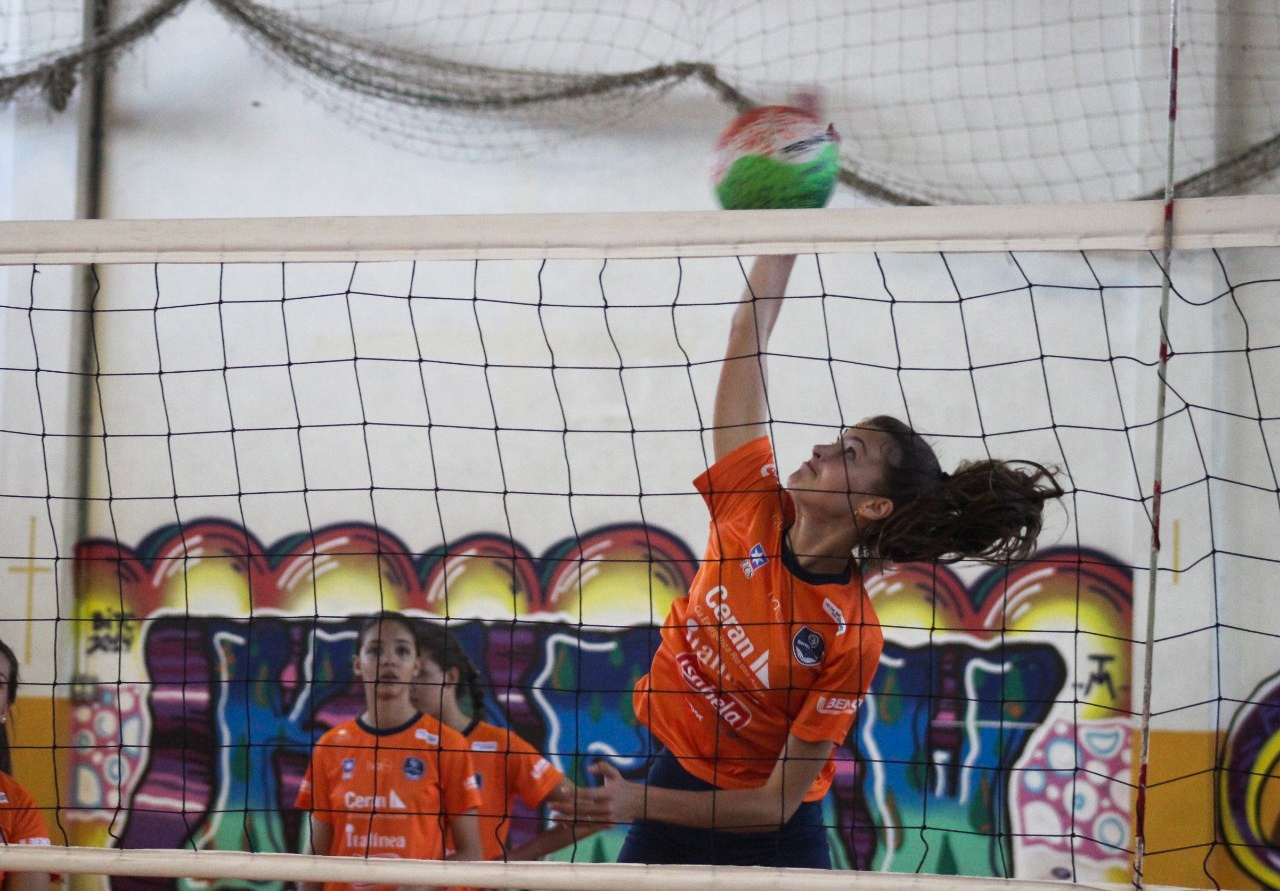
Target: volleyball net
(225,441)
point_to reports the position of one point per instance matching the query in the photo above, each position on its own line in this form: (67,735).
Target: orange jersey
(389,793)
(757,651)
(21,822)
(507,767)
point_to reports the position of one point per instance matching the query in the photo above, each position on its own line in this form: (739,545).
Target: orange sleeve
(458,787)
(530,774)
(22,822)
(314,789)
(831,704)
(739,472)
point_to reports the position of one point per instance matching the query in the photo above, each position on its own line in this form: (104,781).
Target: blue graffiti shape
(940,733)
(583,690)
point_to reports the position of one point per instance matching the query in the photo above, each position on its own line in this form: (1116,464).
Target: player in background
(21,822)
(391,782)
(508,767)
(761,668)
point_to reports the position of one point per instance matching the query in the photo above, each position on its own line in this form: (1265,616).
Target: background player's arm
(741,408)
(26,881)
(760,809)
(465,828)
(321,843)
(561,834)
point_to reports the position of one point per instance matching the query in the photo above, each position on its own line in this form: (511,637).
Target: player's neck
(818,549)
(452,715)
(388,713)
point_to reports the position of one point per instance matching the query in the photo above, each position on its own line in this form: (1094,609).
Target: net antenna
(1157,486)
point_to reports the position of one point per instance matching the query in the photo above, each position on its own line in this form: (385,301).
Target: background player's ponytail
(439,645)
(984,510)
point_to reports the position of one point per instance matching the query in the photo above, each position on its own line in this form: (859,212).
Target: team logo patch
(484,745)
(808,646)
(755,561)
(414,768)
(426,736)
(348,768)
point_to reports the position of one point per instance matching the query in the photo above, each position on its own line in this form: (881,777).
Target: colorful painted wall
(995,741)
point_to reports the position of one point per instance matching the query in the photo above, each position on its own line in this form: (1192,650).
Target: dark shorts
(801,841)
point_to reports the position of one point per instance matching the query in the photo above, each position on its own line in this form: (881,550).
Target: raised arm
(741,410)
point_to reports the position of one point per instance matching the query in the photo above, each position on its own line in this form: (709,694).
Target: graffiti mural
(985,734)
(993,741)
(1248,793)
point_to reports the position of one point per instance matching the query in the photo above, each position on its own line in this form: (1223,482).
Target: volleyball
(775,156)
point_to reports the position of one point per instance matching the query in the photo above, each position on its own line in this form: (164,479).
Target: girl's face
(430,687)
(840,480)
(388,658)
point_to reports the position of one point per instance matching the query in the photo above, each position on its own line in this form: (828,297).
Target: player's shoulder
(490,735)
(836,610)
(750,466)
(431,732)
(342,734)
(12,793)
(486,737)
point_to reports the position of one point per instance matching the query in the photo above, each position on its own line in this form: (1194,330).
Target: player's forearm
(755,317)
(551,840)
(741,408)
(760,809)
(26,881)
(466,837)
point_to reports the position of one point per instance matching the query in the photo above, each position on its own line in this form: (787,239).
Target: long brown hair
(984,510)
(6,760)
(389,617)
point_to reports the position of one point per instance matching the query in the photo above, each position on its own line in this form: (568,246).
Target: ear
(452,677)
(875,508)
